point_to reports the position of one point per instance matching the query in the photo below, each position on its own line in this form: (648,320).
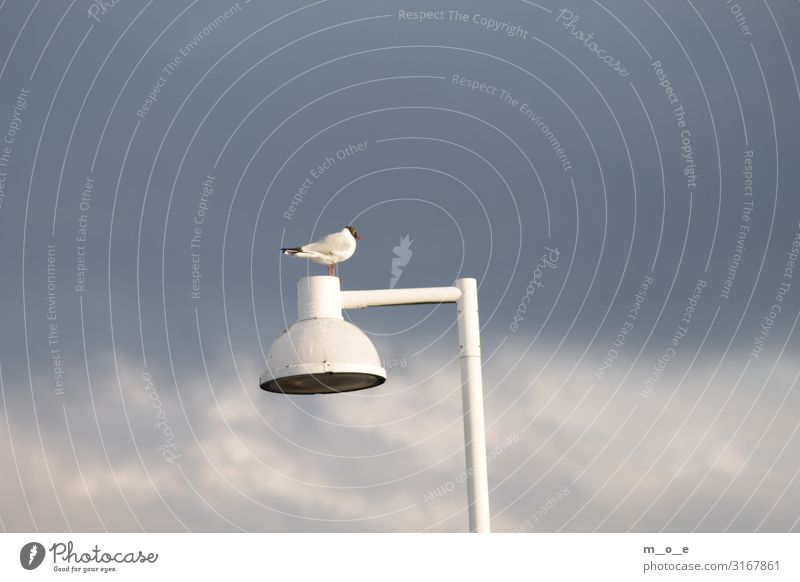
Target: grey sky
(663,178)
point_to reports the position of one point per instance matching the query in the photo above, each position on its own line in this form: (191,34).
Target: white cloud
(365,461)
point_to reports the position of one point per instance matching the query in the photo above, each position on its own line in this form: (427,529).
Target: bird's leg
(329,269)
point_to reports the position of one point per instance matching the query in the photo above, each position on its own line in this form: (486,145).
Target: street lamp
(322,354)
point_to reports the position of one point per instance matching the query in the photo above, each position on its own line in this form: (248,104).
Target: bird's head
(354,232)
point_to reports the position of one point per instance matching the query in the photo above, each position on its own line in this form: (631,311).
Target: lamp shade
(322,356)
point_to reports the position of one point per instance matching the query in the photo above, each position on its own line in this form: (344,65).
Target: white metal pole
(472,401)
(387,297)
(465,296)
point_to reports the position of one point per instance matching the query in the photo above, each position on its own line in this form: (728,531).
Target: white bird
(332,249)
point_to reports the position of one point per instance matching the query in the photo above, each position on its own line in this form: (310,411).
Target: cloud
(699,455)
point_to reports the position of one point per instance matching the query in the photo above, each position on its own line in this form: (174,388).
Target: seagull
(332,249)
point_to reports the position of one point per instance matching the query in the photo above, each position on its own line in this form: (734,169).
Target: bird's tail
(292,251)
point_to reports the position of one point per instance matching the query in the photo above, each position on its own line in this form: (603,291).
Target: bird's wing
(331,243)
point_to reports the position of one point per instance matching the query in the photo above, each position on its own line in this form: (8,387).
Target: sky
(619,177)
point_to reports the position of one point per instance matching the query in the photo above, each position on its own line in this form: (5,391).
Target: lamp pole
(465,296)
(472,402)
(323,354)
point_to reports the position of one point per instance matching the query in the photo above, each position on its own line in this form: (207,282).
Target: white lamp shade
(321,356)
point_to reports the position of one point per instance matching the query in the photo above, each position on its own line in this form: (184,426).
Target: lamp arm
(387,297)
